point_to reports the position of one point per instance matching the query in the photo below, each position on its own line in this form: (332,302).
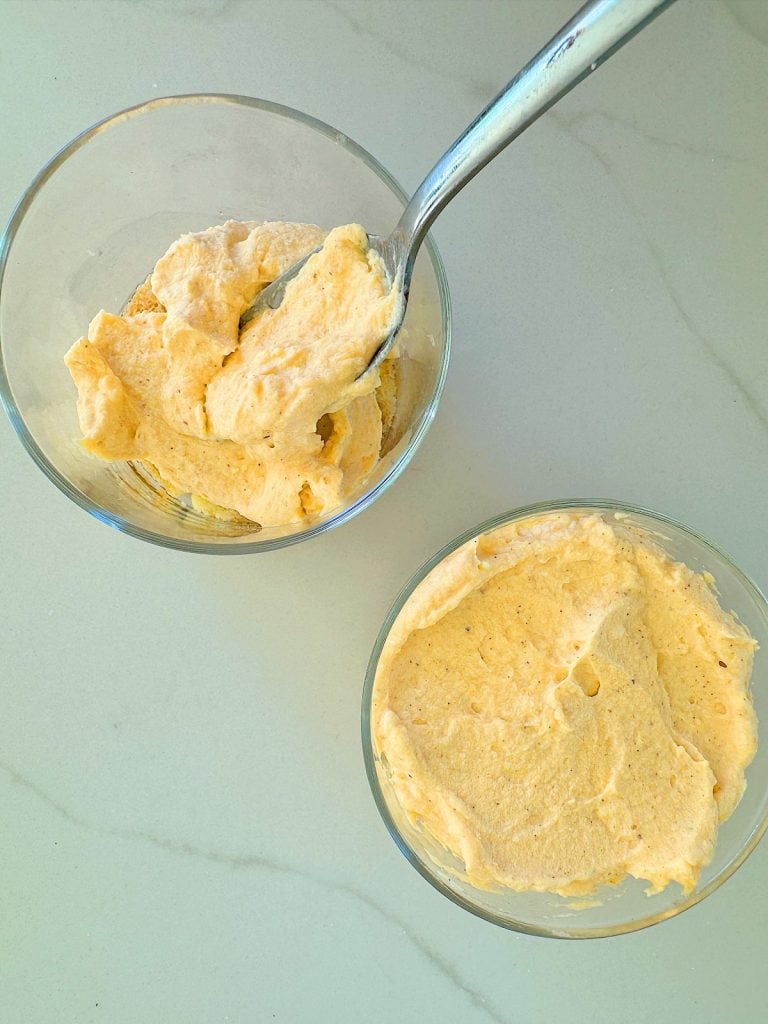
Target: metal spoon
(589,38)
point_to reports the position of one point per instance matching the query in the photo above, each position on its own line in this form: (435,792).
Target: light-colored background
(187,834)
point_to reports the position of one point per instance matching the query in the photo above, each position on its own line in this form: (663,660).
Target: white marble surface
(187,830)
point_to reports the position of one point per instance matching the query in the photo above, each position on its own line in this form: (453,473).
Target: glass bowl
(95,220)
(625,907)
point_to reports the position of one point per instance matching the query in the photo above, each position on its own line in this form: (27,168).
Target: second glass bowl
(615,909)
(95,220)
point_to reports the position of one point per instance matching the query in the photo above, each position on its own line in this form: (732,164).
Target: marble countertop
(188,834)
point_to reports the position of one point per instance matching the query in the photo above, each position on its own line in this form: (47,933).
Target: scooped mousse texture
(274,423)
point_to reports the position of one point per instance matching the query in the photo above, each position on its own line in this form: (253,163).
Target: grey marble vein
(751,18)
(455,75)
(204,11)
(257,861)
(657,257)
(709,152)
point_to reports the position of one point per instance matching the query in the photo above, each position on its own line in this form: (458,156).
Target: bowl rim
(222,547)
(606,505)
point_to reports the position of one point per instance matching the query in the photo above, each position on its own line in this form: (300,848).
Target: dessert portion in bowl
(96,220)
(273,424)
(560,705)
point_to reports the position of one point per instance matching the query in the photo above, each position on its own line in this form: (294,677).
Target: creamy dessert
(271,423)
(561,705)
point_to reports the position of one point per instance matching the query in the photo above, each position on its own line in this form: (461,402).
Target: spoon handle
(590,37)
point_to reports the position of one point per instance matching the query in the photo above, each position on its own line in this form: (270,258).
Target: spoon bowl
(272,296)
